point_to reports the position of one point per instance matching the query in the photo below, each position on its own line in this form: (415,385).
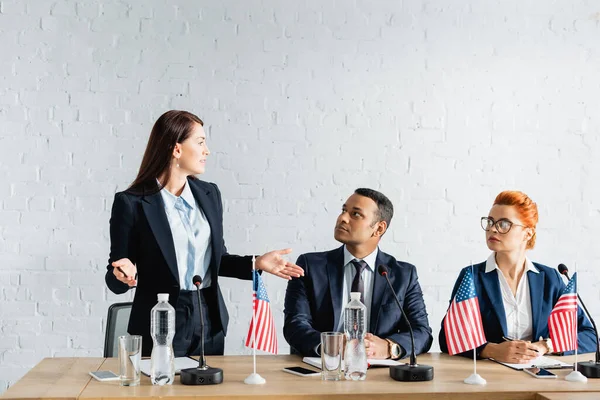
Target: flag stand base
(475,379)
(254,379)
(575,376)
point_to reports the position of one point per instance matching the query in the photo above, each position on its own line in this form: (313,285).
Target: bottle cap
(163,297)
(355,296)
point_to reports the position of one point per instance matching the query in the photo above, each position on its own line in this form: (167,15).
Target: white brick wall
(440,105)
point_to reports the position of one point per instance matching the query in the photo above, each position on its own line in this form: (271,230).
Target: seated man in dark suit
(315,302)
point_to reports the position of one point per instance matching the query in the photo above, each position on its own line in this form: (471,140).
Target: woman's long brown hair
(170,128)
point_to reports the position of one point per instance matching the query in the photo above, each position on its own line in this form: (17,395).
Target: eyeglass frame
(495,224)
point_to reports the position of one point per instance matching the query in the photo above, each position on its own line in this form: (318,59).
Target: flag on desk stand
(562,324)
(262,333)
(463,326)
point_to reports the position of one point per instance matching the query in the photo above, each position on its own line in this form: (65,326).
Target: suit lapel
(204,202)
(154,208)
(536,290)
(379,288)
(492,287)
(335,273)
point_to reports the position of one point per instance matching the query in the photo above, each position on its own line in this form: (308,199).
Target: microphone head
(382,269)
(197,280)
(562,268)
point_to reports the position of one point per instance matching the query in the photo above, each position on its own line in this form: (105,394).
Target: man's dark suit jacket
(314,304)
(544,287)
(140,231)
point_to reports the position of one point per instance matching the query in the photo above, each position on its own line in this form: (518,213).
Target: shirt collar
(170,199)
(371,259)
(490,264)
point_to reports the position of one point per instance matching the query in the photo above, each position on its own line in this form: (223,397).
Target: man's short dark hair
(385,209)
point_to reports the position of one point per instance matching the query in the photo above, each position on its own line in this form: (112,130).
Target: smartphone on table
(301,371)
(540,373)
(104,376)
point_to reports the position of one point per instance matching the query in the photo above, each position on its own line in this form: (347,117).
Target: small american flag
(563,319)
(266,335)
(463,327)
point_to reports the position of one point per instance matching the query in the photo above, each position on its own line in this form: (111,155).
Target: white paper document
(316,362)
(540,362)
(180,363)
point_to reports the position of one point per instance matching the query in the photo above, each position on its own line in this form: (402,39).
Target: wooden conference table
(67,378)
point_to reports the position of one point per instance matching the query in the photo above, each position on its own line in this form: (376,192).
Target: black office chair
(116,325)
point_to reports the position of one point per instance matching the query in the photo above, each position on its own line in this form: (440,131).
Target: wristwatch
(393,349)
(548,343)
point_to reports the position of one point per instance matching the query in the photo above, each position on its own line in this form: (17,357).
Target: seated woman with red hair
(515,294)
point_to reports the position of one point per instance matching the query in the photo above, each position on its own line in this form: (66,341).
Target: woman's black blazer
(139,230)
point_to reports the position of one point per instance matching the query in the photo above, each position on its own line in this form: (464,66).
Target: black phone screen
(301,370)
(540,372)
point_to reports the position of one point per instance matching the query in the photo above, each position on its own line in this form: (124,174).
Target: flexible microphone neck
(384,272)
(562,268)
(202,360)
(202,374)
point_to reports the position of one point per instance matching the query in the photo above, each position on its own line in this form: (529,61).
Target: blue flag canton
(259,288)
(466,290)
(572,285)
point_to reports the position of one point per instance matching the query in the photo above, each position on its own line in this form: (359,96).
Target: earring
(177,165)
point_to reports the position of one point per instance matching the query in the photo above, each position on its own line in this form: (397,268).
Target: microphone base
(589,369)
(411,373)
(195,376)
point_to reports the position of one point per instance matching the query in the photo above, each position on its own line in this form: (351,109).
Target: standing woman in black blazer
(166,228)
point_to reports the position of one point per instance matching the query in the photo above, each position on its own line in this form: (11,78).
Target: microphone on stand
(588,369)
(411,372)
(203,374)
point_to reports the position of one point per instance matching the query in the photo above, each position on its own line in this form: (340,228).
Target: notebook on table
(540,362)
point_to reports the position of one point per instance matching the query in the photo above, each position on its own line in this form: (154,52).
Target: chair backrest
(116,325)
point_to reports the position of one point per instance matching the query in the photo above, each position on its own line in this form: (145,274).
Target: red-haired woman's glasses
(503,225)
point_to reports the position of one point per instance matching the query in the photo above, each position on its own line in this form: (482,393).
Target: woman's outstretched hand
(274,263)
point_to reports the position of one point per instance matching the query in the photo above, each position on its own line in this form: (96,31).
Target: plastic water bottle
(355,328)
(162,329)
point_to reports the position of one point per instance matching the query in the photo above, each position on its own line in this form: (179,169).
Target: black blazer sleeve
(414,307)
(298,324)
(232,266)
(121,239)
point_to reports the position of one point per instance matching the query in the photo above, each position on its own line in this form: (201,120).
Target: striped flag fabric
(262,324)
(562,322)
(462,325)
